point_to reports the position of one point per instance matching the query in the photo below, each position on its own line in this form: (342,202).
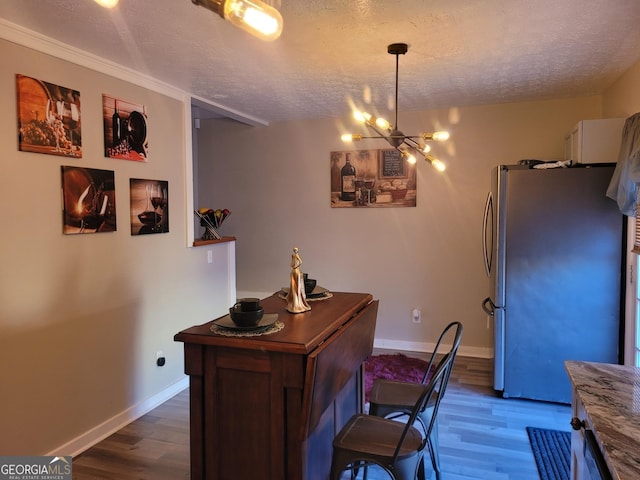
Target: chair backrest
(434,388)
(430,391)
(452,332)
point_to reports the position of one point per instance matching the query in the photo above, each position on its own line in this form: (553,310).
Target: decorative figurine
(296,298)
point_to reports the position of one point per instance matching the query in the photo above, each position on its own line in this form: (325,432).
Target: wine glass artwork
(369,183)
(49,118)
(149,206)
(54,123)
(150,217)
(93,206)
(70,121)
(89,200)
(159,204)
(360,190)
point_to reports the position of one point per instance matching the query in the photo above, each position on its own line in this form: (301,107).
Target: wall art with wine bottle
(149,206)
(49,118)
(125,129)
(372,179)
(89,200)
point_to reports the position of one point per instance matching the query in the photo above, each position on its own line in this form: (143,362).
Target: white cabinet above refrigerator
(594,141)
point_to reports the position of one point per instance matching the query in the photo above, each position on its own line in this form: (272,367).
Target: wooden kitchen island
(267,407)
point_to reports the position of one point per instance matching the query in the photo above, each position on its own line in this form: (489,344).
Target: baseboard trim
(427,347)
(91,437)
(100,432)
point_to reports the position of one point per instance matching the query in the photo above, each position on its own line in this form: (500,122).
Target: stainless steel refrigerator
(553,249)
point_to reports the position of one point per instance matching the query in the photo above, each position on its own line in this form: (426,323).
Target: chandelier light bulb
(351,137)
(426,148)
(107,3)
(255,17)
(360,116)
(408,156)
(382,123)
(437,136)
(437,164)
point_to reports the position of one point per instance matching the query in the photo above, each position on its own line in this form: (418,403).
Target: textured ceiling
(333,53)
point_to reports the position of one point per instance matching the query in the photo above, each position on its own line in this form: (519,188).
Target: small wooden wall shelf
(199,243)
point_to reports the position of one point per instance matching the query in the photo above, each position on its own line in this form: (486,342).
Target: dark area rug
(552,452)
(393,367)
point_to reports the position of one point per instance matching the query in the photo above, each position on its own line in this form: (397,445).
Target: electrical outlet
(209,256)
(416,316)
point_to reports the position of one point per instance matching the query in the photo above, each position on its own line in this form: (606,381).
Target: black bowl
(246,319)
(309,285)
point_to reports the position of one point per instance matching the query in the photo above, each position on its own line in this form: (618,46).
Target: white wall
(82,316)
(276,181)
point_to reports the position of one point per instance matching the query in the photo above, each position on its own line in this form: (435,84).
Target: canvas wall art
(49,118)
(372,179)
(89,200)
(149,206)
(125,129)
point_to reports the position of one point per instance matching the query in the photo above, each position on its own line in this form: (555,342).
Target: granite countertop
(611,397)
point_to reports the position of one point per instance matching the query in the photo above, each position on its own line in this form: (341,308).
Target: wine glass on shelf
(369,183)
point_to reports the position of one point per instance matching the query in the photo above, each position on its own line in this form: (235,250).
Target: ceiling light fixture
(253,16)
(408,145)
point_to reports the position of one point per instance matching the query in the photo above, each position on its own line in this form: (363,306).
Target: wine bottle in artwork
(117,128)
(348,181)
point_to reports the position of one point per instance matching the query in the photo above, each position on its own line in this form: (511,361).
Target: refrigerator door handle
(487,252)
(489,307)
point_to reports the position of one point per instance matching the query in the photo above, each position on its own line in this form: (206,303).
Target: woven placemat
(327,295)
(227,332)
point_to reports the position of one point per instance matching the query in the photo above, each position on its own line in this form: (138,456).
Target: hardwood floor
(154,447)
(482,436)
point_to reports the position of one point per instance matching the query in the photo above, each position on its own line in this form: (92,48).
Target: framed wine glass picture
(49,118)
(89,200)
(149,200)
(372,179)
(125,129)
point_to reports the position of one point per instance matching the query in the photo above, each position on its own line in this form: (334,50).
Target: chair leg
(422,475)
(338,465)
(409,469)
(434,452)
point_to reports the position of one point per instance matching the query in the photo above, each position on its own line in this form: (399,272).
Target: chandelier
(253,16)
(408,145)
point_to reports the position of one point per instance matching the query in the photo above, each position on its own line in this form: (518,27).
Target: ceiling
(333,53)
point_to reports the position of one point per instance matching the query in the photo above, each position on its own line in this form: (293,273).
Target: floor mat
(552,452)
